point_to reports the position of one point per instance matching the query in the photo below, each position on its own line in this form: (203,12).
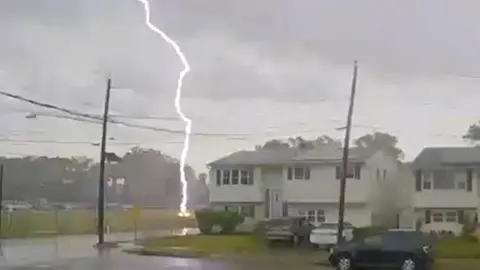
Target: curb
(107,245)
(167,253)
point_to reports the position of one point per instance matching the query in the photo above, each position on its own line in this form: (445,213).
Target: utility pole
(101,178)
(346,145)
(1,197)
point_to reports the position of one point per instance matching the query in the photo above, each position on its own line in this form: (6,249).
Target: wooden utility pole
(101,178)
(346,145)
(2,168)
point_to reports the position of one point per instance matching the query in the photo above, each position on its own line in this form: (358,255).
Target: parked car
(325,235)
(295,230)
(397,249)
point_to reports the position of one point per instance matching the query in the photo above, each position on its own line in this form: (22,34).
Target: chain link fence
(32,223)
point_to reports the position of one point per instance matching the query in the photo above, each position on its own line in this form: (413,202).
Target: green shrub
(228,221)
(362,232)
(206,219)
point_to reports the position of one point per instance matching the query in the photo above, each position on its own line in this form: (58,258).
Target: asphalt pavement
(18,252)
(78,253)
(115,260)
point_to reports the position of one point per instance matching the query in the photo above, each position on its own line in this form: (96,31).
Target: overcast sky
(269,68)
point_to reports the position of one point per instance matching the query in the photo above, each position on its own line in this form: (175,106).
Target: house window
(451,216)
(353,171)
(298,173)
(248,210)
(311,215)
(437,217)
(235,177)
(246,177)
(231,208)
(226,177)
(427,181)
(320,216)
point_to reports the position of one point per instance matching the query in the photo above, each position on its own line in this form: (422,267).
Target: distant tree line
(141,176)
(370,143)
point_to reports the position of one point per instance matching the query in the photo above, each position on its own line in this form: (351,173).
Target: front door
(276,205)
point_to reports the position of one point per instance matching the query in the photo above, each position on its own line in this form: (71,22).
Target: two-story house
(446,188)
(271,183)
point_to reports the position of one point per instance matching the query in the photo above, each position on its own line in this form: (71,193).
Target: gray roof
(258,157)
(285,155)
(436,157)
(328,153)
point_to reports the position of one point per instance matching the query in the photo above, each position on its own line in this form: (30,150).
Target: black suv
(397,249)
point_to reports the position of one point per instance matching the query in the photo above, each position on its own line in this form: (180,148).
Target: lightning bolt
(178,95)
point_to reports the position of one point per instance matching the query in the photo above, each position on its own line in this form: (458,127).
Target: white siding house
(287,182)
(446,188)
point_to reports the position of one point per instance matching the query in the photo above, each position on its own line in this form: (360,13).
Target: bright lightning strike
(178,95)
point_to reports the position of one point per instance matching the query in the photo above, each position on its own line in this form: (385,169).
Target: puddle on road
(30,251)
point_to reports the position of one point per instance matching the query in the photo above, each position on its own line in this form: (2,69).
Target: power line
(121,116)
(81,115)
(95,119)
(7,140)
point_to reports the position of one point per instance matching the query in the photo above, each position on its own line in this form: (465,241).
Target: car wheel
(408,264)
(344,263)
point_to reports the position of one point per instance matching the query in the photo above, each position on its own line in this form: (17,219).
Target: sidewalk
(39,250)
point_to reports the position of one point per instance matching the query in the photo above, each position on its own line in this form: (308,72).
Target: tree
(473,133)
(300,143)
(273,144)
(150,178)
(377,141)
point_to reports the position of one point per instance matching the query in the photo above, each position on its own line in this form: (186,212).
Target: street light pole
(346,145)
(101,178)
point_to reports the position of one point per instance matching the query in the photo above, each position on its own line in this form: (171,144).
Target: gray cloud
(279,62)
(238,49)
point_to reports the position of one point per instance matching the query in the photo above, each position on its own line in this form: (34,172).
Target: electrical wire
(82,115)
(90,118)
(120,116)
(26,141)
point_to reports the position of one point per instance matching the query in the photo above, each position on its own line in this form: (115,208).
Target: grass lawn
(23,224)
(458,249)
(452,254)
(240,247)
(208,244)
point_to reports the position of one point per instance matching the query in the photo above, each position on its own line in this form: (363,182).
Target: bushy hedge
(205,220)
(208,218)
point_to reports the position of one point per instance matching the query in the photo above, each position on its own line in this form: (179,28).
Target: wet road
(18,252)
(78,253)
(121,261)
